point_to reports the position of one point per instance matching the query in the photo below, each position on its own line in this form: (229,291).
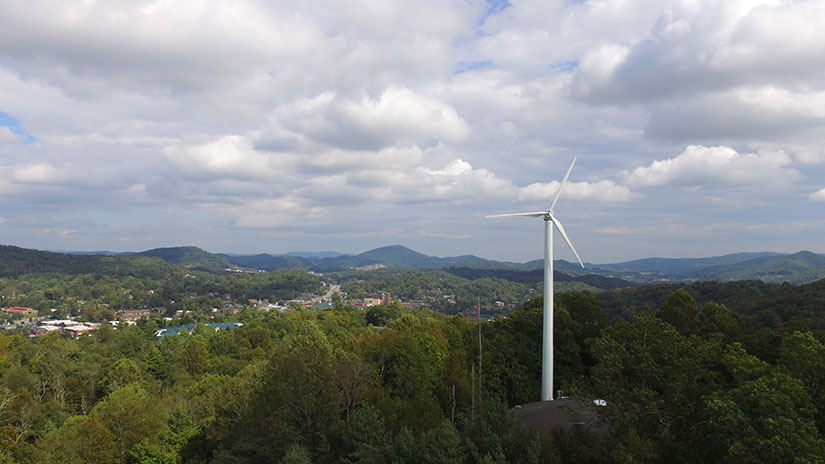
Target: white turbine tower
(547,339)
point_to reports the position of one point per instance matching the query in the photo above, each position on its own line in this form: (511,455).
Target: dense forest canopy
(333,386)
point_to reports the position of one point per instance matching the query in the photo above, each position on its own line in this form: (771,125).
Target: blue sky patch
(464,66)
(493,7)
(567,66)
(13,124)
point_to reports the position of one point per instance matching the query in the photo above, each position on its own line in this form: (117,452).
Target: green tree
(195,356)
(368,437)
(680,311)
(381,315)
(123,372)
(803,357)
(718,319)
(80,440)
(130,414)
(296,454)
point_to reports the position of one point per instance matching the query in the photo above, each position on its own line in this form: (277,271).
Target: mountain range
(794,268)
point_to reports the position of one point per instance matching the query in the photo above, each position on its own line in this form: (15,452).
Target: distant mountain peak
(190,257)
(391,248)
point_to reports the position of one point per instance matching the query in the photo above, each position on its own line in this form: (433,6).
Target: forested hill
(191,257)
(400,257)
(15,261)
(267,262)
(760,304)
(536,276)
(797,268)
(685,266)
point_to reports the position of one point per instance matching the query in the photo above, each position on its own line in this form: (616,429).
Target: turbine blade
(561,186)
(533,214)
(566,238)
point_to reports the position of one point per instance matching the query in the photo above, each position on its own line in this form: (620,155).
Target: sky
(274,126)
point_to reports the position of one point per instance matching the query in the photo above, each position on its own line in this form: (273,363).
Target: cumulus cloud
(244,49)
(244,185)
(604,190)
(694,49)
(718,73)
(819,195)
(231,156)
(398,115)
(700,165)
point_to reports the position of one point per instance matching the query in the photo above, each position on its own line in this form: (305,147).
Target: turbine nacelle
(548,215)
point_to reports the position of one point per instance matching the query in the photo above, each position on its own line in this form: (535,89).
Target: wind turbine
(547,338)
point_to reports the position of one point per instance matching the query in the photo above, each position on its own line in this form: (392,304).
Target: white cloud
(704,166)
(614,230)
(761,42)
(37,173)
(457,181)
(819,195)
(699,47)
(403,113)
(398,115)
(179,45)
(534,34)
(602,191)
(231,156)
(7,136)
(247,52)
(598,67)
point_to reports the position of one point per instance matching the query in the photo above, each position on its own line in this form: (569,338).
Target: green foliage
(680,311)
(123,372)
(495,435)
(152,452)
(81,439)
(130,414)
(737,368)
(368,437)
(767,419)
(380,315)
(755,303)
(687,380)
(296,454)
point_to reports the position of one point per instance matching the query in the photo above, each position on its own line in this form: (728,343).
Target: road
(332,291)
